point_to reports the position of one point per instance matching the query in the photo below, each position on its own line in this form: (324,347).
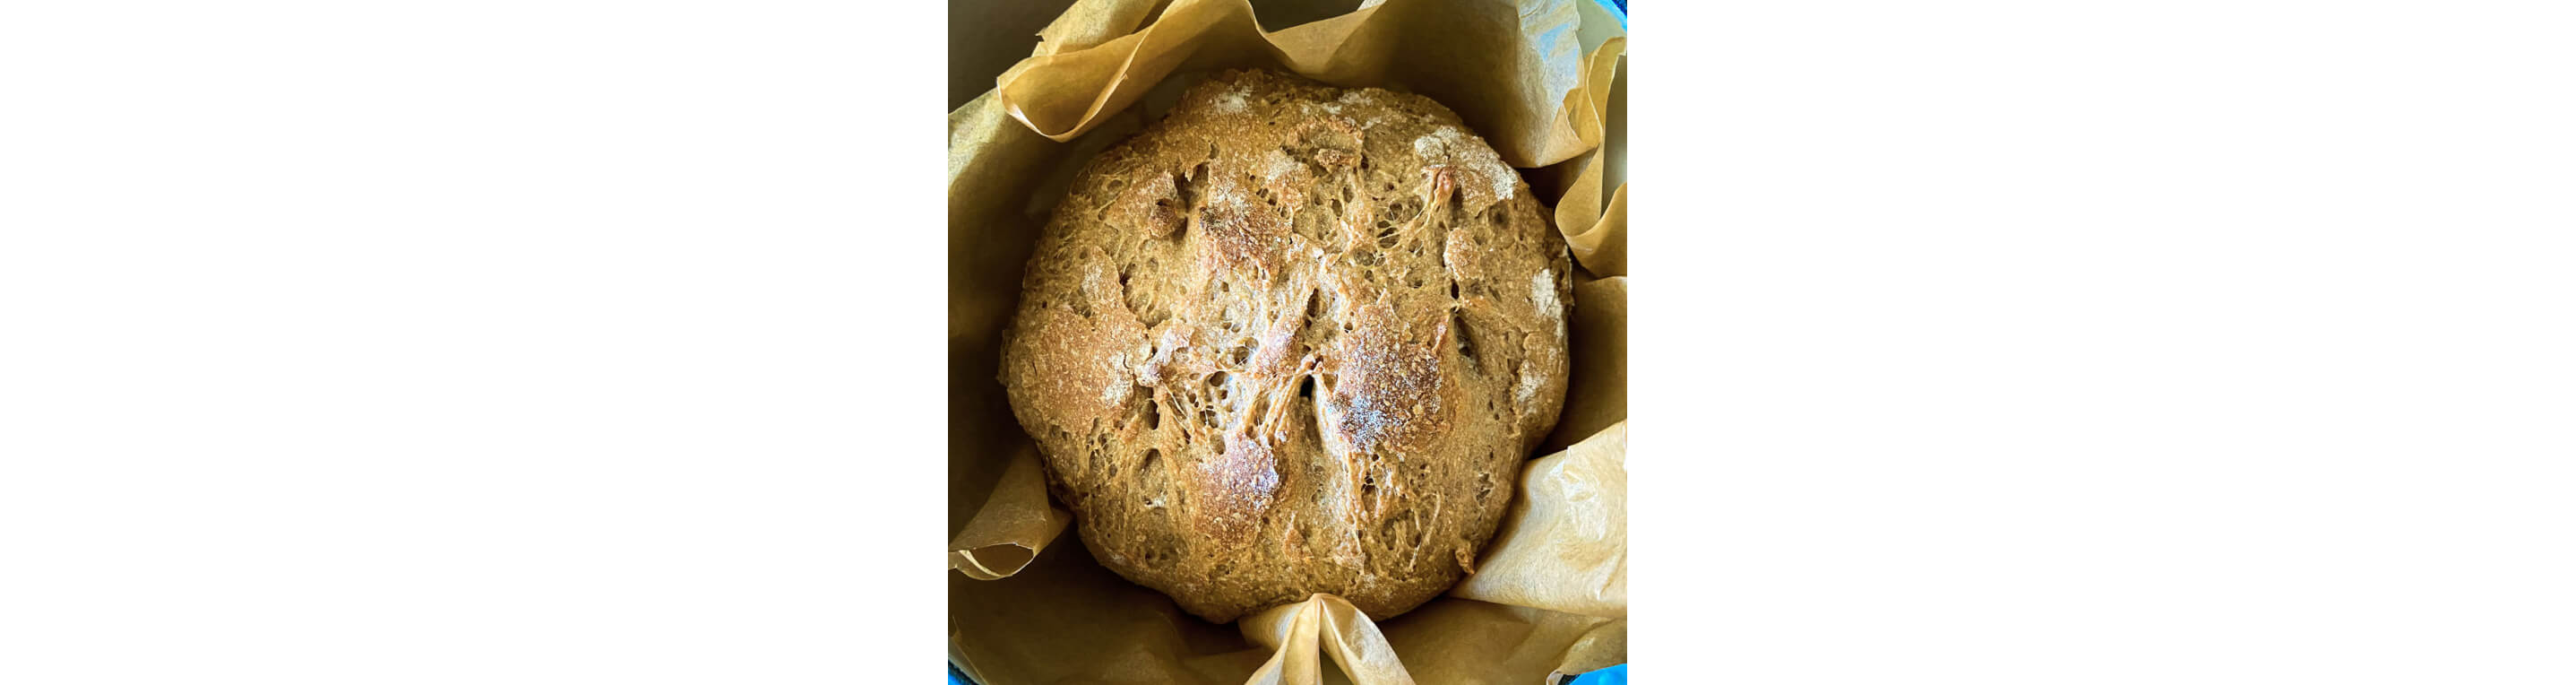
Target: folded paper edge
(1302,634)
(1372,638)
(1022,484)
(1579,104)
(1584,112)
(1602,250)
(965,561)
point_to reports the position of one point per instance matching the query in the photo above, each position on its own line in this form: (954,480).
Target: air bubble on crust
(1458,330)
(1403,210)
(1149,473)
(1239,355)
(1260,409)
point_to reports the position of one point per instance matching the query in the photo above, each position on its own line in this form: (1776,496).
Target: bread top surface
(1291,339)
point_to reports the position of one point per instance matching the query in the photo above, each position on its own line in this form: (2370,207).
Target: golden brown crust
(1291,339)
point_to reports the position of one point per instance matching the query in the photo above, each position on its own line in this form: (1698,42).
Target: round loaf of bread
(1291,339)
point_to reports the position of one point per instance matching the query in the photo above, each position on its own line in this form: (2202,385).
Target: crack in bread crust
(1291,339)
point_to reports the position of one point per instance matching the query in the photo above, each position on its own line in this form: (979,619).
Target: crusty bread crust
(1291,339)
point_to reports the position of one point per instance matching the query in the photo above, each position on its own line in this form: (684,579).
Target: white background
(2173,342)
(578,342)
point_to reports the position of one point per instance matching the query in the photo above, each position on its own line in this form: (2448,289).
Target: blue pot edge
(1617,8)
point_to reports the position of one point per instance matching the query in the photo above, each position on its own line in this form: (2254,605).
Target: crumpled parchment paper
(1550,595)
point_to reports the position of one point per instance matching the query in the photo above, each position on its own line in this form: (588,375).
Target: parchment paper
(1564,544)
(1014,525)
(1552,585)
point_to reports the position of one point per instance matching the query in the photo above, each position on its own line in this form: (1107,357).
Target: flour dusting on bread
(1277,164)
